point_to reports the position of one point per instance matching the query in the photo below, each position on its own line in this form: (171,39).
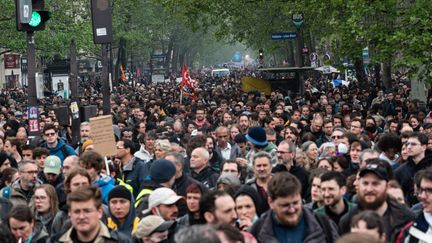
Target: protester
(420,229)
(85,207)
(372,195)
(194,193)
(24,227)
(93,162)
(45,203)
(294,221)
(201,170)
(121,211)
(55,145)
(218,206)
(23,187)
(248,206)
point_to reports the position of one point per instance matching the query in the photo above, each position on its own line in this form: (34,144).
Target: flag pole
(181,95)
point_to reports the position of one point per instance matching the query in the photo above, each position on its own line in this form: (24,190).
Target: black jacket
(301,174)
(404,174)
(395,218)
(207,177)
(180,186)
(314,232)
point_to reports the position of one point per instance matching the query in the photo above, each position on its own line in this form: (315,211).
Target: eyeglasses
(336,137)
(41,198)
(427,191)
(50,134)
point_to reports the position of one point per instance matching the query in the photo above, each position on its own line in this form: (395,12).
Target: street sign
(313,56)
(10,61)
(298,19)
(284,36)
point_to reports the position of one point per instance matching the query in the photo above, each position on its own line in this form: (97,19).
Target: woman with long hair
(45,205)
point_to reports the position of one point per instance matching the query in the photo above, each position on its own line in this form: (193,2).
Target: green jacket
(322,210)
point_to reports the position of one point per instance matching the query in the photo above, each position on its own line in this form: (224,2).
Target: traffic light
(31,15)
(261,54)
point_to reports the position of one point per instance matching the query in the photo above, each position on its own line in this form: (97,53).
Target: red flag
(186,84)
(123,76)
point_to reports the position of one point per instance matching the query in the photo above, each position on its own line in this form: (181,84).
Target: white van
(224,72)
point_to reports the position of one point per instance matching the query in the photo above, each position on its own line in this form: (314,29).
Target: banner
(187,84)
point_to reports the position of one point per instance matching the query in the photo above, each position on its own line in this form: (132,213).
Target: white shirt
(226,152)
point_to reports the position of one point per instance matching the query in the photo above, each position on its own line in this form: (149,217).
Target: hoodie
(59,151)
(106,184)
(130,224)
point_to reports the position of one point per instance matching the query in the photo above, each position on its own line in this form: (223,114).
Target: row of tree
(141,28)
(397,32)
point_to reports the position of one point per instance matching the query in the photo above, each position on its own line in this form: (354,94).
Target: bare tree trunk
(387,75)
(360,72)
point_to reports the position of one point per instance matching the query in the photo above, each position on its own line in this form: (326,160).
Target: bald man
(200,169)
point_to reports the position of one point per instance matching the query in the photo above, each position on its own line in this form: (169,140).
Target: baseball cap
(379,171)
(160,196)
(52,165)
(150,224)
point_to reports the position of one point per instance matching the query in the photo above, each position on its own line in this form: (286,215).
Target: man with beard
(163,202)
(200,118)
(288,220)
(244,123)
(286,153)
(262,168)
(372,195)
(333,188)
(218,207)
(23,188)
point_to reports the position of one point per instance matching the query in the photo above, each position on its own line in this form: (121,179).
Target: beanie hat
(257,136)
(87,143)
(120,192)
(162,170)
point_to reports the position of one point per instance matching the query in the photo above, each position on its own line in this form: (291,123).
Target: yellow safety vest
(142,193)
(122,183)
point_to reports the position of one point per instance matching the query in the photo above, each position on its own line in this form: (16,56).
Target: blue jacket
(59,151)
(105,183)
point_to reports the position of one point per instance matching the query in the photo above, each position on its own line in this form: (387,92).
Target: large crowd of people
(336,164)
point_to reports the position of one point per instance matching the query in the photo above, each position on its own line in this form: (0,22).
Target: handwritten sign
(102,133)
